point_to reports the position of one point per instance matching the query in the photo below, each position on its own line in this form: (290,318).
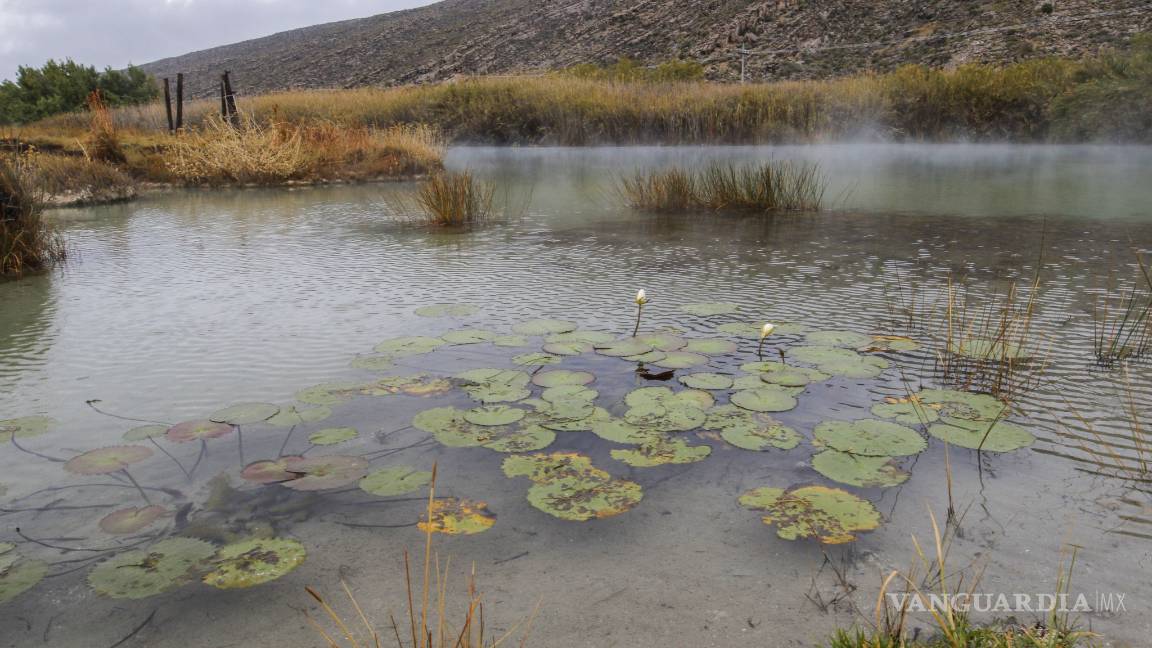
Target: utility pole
(744,52)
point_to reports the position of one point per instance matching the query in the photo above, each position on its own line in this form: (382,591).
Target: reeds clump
(28,243)
(762,188)
(1122,321)
(455,199)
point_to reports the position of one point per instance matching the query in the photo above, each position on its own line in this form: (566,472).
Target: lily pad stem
(169,454)
(33,452)
(92,404)
(639,310)
(199,457)
(136,484)
(284,445)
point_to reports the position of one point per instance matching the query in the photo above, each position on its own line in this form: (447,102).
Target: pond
(182,304)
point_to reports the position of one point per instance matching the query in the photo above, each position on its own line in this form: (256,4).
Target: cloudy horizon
(118,32)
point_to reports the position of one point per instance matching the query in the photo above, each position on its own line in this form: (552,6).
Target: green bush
(60,87)
(1111,98)
(625,69)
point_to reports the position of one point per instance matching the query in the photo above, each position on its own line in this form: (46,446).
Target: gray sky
(118,32)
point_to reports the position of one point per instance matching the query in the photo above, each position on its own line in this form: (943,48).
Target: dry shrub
(102,143)
(28,243)
(361,153)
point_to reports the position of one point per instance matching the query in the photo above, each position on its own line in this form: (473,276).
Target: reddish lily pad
(272,471)
(197,430)
(323,473)
(106,460)
(132,519)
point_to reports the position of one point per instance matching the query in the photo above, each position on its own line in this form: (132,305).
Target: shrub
(27,242)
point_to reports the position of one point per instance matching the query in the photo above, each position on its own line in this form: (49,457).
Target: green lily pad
(708,309)
(291,416)
(397,480)
(584,497)
(567,348)
(751,430)
(957,404)
(988,436)
(753,330)
(25,427)
(622,348)
(271,471)
(453,516)
(106,460)
(253,562)
(906,412)
(829,515)
(164,566)
(446,310)
(449,427)
(245,413)
(493,415)
(558,377)
(542,467)
(495,385)
(329,393)
(621,431)
(870,437)
(131,519)
(569,392)
(890,344)
(372,363)
(323,473)
(511,341)
(666,418)
(778,373)
(332,436)
(409,345)
(662,452)
(469,336)
(145,432)
(648,396)
(706,380)
(650,356)
(527,359)
(567,415)
(769,398)
(19,576)
(840,362)
(847,339)
(681,360)
(856,470)
(710,347)
(544,327)
(197,430)
(587,337)
(526,439)
(666,342)
(422,385)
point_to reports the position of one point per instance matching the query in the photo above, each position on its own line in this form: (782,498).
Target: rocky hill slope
(786,38)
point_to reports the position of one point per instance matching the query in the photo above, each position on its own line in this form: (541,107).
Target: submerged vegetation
(767,187)
(28,242)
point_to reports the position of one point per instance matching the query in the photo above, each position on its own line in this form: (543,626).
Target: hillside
(789,38)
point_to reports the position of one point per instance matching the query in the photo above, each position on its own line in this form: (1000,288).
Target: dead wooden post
(223,101)
(179,101)
(168,105)
(230,100)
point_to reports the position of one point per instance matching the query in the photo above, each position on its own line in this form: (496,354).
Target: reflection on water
(183,303)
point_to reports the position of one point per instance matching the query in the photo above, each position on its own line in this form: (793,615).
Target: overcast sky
(118,32)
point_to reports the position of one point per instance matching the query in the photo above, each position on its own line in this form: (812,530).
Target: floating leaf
(906,412)
(140,574)
(536,359)
(458,516)
(870,437)
(469,336)
(542,467)
(662,341)
(271,471)
(567,348)
(544,327)
(450,428)
(989,436)
(661,452)
(495,385)
(704,380)
(963,405)
(19,576)
(769,398)
(526,439)
(245,413)
(132,519)
(856,470)
(372,363)
(329,393)
(710,347)
(621,431)
(292,416)
(569,392)
(666,419)
(891,343)
(105,460)
(587,337)
(145,432)
(753,330)
(510,341)
(751,430)
(650,356)
(422,385)
(622,348)
(25,427)
(409,345)
(446,310)
(681,360)
(840,362)
(397,480)
(829,515)
(838,339)
(323,473)
(197,430)
(778,373)
(558,377)
(332,436)
(252,562)
(493,415)
(584,497)
(708,309)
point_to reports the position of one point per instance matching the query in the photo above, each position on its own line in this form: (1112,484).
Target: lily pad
(323,473)
(271,471)
(681,360)
(397,480)
(666,342)
(19,576)
(544,327)
(856,470)
(410,345)
(469,336)
(528,359)
(891,343)
(708,309)
(253,562)
(291,416)
(25,427)
(495,385)
(329,393)
(510,341)
(666,418)
(542,467)
(622,348)
(650,356)
(448,426)
(422,385)
(778,373)
(558,377)
(245,413)
(145,432)
(567,348)
(197,430)
(705,380)
(332,436)
(584,497)
(458,516)
(132,519)
(446,310)
(569,392)
(662,452)
(847,339)
(769,398)
(957,404)
(139,574)
(829,515)
(989,436)
(751,430)
(840,362)
(372,363)
(710,347)
(870,437)
(587,337)
(906,412)
(493,415)
(525,439)
(621,431)
(753,330)
(106,460)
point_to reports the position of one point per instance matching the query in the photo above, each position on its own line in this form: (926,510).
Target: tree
(63,86)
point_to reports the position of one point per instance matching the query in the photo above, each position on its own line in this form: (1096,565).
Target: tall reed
(1122,321)
(455,199)
(765,187)
(28,242)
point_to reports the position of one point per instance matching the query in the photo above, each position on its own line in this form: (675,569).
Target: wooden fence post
(168,105)
(230,100)
(179,101)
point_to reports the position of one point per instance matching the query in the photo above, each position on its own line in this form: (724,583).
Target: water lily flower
(641,298)
(767,330)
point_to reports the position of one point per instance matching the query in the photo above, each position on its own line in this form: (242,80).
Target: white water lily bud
(641,299)
(767,330)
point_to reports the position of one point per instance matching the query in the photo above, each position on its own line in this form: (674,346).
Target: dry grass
(28,243)
(102,142)
(455,200)
(76,180)
(763,188)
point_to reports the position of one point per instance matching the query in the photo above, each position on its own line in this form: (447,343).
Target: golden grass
(763,188)
(74,179)
(28,243)
(455,200)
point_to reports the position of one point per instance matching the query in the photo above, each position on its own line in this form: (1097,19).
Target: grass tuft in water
(455,199)
(1122,321)
(28,243)
(764,188)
